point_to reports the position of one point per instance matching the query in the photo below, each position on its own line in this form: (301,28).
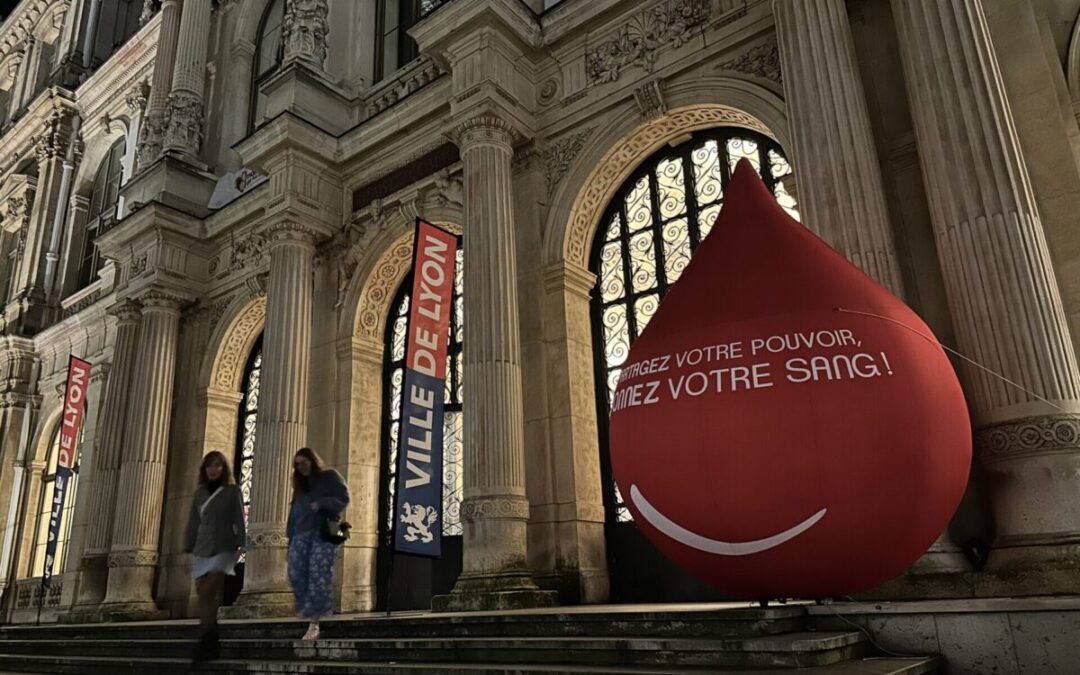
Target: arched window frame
(636,284)
(269,51)
(43,512)
(104,197)
(393,378)
(244,457)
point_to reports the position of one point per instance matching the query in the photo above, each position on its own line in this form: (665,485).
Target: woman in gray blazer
(215,535)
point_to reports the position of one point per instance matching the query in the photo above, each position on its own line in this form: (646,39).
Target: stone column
(133,553)
(1002,293)
(281,428)
(304,28)
(836,163)
(185,127)
(90,37)
(152,131)
(107,464)
(494,510)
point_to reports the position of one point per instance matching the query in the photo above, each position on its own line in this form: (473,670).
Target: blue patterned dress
(311,560)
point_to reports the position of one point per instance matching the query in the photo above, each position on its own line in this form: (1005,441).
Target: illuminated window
(44,511)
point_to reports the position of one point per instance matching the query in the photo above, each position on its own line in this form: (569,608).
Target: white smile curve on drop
(694,540)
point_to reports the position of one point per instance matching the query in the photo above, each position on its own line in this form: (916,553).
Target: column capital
(126,311)
(486,129)
(157,299)
(289,232)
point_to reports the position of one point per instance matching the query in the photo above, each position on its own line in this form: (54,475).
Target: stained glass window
(648,235)
(244,459)
(452,417)
(48,484)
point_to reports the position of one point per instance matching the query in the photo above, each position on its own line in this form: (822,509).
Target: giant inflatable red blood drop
(784,426)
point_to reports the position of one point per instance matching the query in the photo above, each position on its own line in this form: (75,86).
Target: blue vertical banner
(418,512)
(78,380)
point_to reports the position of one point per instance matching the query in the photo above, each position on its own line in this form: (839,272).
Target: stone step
(789,650)
(727,622)
(86,665)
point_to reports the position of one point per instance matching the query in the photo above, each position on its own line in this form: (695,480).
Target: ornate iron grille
(244,458)
(649,233)
(394,370)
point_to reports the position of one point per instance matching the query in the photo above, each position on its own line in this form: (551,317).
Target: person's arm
(337,493)
(193,524)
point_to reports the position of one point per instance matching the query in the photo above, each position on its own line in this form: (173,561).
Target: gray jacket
(218,528)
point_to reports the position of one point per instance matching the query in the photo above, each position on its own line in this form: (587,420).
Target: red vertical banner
(78,381)
(418,512)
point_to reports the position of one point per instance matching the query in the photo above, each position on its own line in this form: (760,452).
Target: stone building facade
(213,203)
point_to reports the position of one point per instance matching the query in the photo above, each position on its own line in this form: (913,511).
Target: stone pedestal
(133,554)
(107,460)
(494,510)
(1002,293)
(281,428)
(836,164)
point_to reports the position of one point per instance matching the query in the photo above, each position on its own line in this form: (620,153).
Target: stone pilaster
(836,164)
(495,510)
(107,458)
(133,553)
(154,124)
(1002,293)
(304,29)
(185,126)
(281,428)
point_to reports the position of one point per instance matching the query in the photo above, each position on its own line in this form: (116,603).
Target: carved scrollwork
(761,61)
(636,43)
(133,559)
(558,156)
(267,538)
(1028,436)
(502,508)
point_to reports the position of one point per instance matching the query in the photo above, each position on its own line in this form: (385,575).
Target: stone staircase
(611,639)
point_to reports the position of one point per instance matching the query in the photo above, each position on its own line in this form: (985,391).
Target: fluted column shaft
(133,553)
(107,459)
(281,428)
(185,129)
(152,131)
(494,510)
(1000,282)
(840,189)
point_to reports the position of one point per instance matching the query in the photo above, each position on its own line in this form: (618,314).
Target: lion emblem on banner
(418,519)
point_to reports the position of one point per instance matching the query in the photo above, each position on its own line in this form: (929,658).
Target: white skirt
(222,562)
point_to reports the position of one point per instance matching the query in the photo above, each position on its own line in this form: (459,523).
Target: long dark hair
(226,470)
(300,482)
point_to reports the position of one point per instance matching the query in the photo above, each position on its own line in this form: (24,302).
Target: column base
(118,612)
(261,605)
(93,581)
(488,593)
(1038,569)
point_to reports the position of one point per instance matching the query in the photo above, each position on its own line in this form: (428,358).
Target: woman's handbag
(334,530)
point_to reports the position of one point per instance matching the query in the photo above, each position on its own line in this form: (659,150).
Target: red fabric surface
(885,456)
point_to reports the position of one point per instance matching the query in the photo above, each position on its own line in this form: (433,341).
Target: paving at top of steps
(573,640)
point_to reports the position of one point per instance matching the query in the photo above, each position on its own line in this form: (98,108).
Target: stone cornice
(24,19)
(439,31)
(20,141)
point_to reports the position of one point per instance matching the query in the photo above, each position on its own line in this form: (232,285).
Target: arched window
(44,510)
(647,236)
(394,46)
(244,459)
(102,210)
(268,53)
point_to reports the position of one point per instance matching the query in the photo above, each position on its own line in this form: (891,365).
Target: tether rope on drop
(931,338)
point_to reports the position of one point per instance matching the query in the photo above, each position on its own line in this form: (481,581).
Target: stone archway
(593,180)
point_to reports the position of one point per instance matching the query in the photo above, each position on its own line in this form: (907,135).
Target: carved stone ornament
(151,137)
(636,43)
(650,99)
(761,61)
(1028,436)
(138,96)
(483,130)
(247,251)
(185,122)
(304,29)
(502,508)
(149,8)
(133,558)
(267,538)
(557,158)
(126,311)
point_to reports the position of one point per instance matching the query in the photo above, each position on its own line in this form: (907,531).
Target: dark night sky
(5,7)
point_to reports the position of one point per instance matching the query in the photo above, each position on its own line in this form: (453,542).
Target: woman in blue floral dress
(319,493)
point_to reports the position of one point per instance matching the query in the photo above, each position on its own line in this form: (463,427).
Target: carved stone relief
(637,42)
